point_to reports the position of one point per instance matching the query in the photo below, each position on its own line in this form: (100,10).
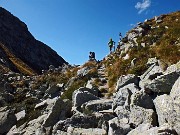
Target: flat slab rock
(98,105)
(88,131)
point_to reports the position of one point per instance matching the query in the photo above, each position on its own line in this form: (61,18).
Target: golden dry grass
(21,66)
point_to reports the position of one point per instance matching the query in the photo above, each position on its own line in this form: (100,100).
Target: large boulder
(53,91)
(54,110)
(142,99)
(123,96)
(7,120)
(140,115)
(162,84)
(147,129)
(140,129)
(83,121)
(125,80)
(97,105)
(83,95)
(152,72)
(164,108)
(175,91)
(118,126)
(29,128)
(168,110)
(60,110)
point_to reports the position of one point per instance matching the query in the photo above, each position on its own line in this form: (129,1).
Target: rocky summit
(20,51)
(135,90)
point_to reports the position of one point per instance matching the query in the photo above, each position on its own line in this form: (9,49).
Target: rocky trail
(147,105)
(102,75)
(132,91)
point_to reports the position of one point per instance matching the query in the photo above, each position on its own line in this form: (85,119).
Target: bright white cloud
(141,6)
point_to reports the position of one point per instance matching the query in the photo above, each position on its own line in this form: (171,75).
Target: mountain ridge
(18,40)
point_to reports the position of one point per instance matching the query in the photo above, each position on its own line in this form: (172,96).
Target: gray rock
(168,111)
(83,121)
(83,71)
(89,84)
(51,68)
(140,129)
(14,131)
(31,127)
(83,131)
(44,131)
(2,102)
(59,132)
(122,97)
(53,91)
(122,112)
(158,19)
(162,83)
(118,126)
(175,91)
(175,68)
(97,105)
(133,61)
(8,97)
(7,120)
(69,83)
(20,115)
(59,111)
(125,80)
(140,115)
(164,108)
(152,72)
(166,129)
(8,88)
(142,99)
(42,104)
(147,129)
(82,95)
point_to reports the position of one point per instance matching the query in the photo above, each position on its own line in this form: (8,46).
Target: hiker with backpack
(91,56)
(111,44)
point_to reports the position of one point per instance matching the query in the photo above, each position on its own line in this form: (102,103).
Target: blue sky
(73,28)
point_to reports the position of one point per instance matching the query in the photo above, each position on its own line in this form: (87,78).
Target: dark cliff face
(14,35)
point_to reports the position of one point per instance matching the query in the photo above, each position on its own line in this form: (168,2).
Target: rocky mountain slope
(20,51)
(134,90)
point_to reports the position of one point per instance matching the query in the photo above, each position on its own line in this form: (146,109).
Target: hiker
(120,36)
(118,46)
(111,44)
(93,55)
(90,55)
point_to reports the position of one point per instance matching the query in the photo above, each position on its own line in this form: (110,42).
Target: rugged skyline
(73,28)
